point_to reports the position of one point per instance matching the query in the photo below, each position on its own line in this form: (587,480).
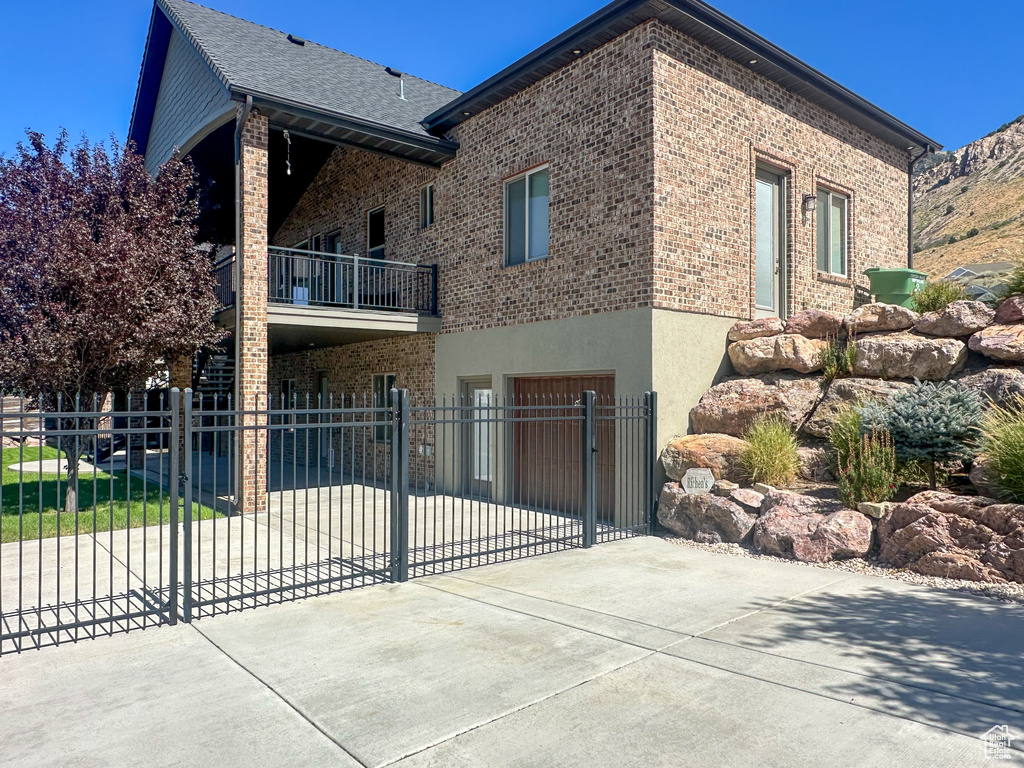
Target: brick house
(596,215)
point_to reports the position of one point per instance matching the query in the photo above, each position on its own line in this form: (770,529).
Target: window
(833,228)
(426,206)
(375,233)
(332,242)
(287,402)
(383,383)
(526,217)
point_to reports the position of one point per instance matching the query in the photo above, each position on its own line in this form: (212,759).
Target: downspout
(239,125)
(910,205)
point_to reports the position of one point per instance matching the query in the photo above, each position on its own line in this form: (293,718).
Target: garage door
(547,456)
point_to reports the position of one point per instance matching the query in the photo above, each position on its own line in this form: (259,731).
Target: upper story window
(526,217)
(426,206)
(833,212)
(375,233)
(332,242)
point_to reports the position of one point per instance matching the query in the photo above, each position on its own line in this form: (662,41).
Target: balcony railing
(312,278)
(224,287)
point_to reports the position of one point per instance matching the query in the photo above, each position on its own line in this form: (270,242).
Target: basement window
(833,232)
(526,217)
(383,383)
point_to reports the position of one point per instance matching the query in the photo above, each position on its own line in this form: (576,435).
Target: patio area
(634,653)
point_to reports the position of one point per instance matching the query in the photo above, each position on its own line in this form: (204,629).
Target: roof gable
(260,61)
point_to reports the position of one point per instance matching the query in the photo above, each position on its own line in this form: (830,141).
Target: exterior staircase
(217,375)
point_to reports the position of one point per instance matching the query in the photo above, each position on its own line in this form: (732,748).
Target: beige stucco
(677,354)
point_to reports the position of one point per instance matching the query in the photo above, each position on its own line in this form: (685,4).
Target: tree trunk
(72,447)
(931,474)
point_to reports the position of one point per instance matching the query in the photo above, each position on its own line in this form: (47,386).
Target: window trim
(370,212)
(381,432)
(827,213)
(427,211)
(526,219)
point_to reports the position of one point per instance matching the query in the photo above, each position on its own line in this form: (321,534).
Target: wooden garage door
(547,453)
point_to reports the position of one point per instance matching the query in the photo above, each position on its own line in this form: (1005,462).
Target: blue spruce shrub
(931,422)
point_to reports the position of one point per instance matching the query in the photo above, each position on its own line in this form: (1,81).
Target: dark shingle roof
(259,61)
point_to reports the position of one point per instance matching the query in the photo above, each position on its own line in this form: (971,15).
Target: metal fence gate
(189,507)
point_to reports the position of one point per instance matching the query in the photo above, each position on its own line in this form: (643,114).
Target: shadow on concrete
(930,653)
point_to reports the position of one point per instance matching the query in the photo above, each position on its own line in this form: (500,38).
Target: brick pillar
(251,305)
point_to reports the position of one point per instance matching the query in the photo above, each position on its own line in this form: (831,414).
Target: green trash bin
(895,286)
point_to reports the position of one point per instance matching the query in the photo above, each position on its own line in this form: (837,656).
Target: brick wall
(591,122)
(350,370)
(714,121)
(652,142)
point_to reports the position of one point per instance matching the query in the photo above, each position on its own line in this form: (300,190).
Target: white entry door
(770,244)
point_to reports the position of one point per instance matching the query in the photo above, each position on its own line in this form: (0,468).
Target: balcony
(319,299)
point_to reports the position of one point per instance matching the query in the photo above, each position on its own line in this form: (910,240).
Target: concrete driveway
(634,653)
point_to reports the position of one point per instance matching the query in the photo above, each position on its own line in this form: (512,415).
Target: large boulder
(1010,311)
(958,318)
(785,352)
(997,386)
(872,318)
(744,330)
(703,517)
(815,464)
(816,324)
(732,407)
(1000,342)
(844,393)
(960,537)
(810,530)
(909,356)
(717,452)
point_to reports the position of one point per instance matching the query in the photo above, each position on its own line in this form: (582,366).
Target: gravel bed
(1007,593)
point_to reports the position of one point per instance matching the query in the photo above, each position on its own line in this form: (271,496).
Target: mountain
(969,204)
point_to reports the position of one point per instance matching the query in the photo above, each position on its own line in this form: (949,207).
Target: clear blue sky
(950,68)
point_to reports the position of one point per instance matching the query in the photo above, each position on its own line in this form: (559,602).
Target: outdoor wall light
(810,203)
(288,156)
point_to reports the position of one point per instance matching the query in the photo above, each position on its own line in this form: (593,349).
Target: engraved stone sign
(698,480)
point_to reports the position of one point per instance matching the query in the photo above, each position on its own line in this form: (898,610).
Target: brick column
(251,305)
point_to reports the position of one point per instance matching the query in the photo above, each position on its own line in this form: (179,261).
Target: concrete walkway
(634,653)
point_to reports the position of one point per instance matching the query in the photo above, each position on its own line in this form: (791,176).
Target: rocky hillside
(970,203)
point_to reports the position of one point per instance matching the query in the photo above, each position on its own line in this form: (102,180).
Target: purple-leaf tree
(102,283)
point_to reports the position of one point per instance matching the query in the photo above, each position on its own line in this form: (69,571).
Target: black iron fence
(196,508)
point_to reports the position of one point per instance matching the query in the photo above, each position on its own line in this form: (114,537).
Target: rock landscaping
(783,376)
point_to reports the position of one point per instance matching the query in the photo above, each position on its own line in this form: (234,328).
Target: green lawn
(109,492)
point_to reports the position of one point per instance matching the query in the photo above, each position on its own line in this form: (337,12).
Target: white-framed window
(833,214)
(383,383)
(375,233)
(526,217)
(426,206)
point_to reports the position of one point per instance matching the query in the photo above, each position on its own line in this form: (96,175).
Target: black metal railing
(224,287)
(334,495)
(312,278)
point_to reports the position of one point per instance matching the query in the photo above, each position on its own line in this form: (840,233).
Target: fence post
(172,565)
(186,479)
(589,465)
(651,458)
(399,485)
(355,282)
